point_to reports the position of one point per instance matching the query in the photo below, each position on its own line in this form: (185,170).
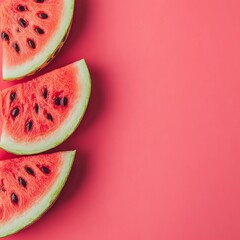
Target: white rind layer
(15,72)
(67,127)
(39,207)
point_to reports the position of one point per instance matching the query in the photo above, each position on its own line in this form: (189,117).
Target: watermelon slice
(32,33)
(42,113)
(29,186)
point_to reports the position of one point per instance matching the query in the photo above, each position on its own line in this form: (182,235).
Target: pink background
(158,152)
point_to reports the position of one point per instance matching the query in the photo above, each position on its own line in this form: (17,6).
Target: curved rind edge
(29,216)
(67,127)
(41,59)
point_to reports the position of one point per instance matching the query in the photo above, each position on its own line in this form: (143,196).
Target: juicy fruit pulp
(28,187)
(41,113)
(32,32)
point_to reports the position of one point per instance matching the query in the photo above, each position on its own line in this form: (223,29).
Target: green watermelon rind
(43,57)
(67,127)
(42,205)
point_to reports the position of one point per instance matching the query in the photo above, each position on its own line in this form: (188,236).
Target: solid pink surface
(158,152)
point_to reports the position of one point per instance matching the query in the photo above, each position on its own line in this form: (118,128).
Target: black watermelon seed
(39,30)
(36,108)
(31,43)
(4,36)
(45,170)
(39,1)
(12,96)
(64,101)
(49,117)
(29,171)
(22,182)
(21,8)
(14,198)
(15,112)
(16,47)
(22,22)
(45,93)
(43,15)
(29,125)
(57,101)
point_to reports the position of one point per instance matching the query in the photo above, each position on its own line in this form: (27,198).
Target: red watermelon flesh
(29,186)
(32,32)
(40,114)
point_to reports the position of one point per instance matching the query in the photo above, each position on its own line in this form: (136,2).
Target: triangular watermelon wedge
(32,33)
(29,186)
(41,113)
